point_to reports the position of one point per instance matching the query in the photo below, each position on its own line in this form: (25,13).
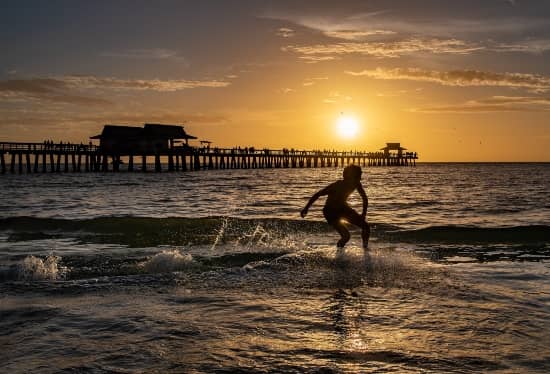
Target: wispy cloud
(493,104)
(524,46)
(312,59)
(356,34)
(43,116)
(68,89)
(40,89)
(435,23)
(312,81)
(461,78)
(286,90)
(93,82)
(146,54)
(386,49)
(285,32)
(335,97)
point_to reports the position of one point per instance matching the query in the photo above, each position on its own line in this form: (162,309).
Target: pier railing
(65,157)
(40,147)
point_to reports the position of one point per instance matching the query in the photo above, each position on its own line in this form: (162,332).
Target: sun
(347,127)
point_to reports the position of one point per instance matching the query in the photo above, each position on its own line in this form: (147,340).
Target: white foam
(168,261)
(37,269)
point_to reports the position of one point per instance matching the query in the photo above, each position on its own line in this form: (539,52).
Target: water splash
(36,269)
(168,261)
(221,233)
(258,237)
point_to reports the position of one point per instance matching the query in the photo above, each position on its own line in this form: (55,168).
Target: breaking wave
(143,231)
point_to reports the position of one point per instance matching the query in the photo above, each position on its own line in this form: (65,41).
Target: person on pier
(336,208)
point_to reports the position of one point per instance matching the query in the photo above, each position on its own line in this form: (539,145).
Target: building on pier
(393,147)
(152,138)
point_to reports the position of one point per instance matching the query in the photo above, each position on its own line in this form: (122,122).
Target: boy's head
(352,172)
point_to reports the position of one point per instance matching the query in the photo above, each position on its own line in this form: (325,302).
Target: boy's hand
(303,213)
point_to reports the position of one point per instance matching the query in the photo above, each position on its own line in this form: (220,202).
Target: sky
(454,80)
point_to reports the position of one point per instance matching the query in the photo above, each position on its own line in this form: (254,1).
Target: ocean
(215,272)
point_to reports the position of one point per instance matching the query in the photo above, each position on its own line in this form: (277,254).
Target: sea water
(214,271)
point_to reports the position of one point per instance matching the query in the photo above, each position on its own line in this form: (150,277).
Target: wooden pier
(65,157)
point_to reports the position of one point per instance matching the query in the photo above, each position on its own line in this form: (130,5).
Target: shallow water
(215,272)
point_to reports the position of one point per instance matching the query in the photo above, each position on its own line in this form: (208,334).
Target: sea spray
(36,269)
(168,261)
(221,233)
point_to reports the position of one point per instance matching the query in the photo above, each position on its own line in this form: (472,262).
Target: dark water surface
(215,272)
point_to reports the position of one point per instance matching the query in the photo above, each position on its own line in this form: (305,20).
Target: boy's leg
(344,233)
(354,218)
(365,234)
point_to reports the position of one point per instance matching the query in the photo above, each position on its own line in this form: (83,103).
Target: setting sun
(347,127)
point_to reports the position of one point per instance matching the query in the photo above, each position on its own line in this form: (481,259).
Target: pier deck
(65,157)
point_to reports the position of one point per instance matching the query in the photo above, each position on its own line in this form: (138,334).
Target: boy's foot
(366,246)
(341,243)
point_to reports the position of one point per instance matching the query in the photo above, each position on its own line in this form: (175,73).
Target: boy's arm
(364,198)
(313,198)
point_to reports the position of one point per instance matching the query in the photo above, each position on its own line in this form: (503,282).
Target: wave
(473,235)
(33,268)
(322,268)
(149,232)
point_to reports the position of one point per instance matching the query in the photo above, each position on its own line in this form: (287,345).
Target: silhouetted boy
(336,208)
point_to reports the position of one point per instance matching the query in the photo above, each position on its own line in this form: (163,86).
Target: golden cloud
(92,82)
(461,78)
(356,34)
(285,32)
(493,104)
(385,49)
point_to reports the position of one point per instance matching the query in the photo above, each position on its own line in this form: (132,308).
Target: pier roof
(119,132)
(166,131)
(393,147)
(149,130)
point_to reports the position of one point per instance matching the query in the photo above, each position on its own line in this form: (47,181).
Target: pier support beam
(58,163)
(36,157)
(12,165)
(66,169)
(105,163)
(170,162)
(3,163)
(28,162)
(158,166)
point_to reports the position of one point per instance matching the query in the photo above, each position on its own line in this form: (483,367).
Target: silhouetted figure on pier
(337,209)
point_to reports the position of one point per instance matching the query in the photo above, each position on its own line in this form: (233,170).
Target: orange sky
(454,82)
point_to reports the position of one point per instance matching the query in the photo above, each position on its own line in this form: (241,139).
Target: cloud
(335,97)
(40,89)
(386,49)
(493,104)
(43,117)
(285,32)
(312,81)
(146,54)
(34,85)
(316,59)
(462,78)
(286,90)
(434,21)
(62,89)
(92,82)
(526,46)
(355,34)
